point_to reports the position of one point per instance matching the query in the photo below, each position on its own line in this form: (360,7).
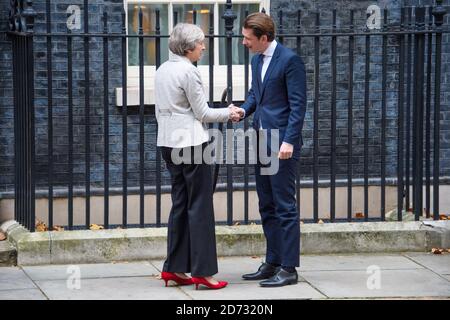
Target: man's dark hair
(261,24)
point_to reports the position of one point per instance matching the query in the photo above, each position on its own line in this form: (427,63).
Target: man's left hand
(286,151)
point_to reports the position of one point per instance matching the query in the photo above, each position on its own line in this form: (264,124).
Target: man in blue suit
(278,100)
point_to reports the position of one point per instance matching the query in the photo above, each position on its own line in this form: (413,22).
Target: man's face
(252,42)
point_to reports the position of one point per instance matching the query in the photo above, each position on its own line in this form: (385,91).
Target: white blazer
(181,106)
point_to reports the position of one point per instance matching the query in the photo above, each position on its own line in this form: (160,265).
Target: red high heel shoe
(167,276)
(199,281)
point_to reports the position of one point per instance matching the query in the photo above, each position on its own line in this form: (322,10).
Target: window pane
(185,13)
(237,46)
(148,26)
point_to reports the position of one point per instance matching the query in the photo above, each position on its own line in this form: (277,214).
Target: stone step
(8,254)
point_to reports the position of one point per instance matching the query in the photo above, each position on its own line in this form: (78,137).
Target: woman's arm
(194,92)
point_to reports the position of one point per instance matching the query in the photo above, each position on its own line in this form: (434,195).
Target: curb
(101,246)
(8,253)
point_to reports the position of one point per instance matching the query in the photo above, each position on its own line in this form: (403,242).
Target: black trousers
(191,246)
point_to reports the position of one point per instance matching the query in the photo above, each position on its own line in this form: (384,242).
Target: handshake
(236,113)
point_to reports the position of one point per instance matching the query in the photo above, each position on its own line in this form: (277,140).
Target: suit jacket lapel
(273,63)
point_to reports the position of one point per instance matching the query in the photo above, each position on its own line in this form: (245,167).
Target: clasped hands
(236,113)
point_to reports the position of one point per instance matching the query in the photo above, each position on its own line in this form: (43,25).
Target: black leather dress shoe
(282,278)
(265,271)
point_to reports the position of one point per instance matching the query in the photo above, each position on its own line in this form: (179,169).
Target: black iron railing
(418,64)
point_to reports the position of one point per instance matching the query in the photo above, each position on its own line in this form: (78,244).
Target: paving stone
(89,271)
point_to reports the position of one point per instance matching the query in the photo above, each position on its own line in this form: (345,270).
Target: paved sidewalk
(408,275)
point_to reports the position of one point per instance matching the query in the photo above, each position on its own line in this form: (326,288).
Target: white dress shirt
(267,58)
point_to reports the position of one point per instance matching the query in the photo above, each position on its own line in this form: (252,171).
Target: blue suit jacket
(280,101)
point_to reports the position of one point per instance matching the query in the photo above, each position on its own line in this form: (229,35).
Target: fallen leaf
(359,215)
(443,217)
(252,224)
(2,236)
(437,251)
(256,257)
(320,221)
(448,250)
(94,226)
(40,226)
(58,228)
(237,223)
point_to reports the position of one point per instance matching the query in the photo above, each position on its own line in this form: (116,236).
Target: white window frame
(220,71)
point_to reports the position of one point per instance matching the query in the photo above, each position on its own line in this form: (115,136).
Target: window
(238,48)
(148,28)
(172,11)
(185,13)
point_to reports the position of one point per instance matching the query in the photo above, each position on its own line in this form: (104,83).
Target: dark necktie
(260,65)
(259,75)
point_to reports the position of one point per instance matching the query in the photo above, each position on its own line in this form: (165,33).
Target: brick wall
(307,51)
(6,106)
(96,8)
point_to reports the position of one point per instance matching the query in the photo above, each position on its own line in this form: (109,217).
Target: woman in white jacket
(182,112)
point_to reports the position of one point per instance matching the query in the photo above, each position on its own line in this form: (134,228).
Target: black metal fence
(416,99)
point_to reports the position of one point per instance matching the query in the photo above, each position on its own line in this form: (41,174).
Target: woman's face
(196,54)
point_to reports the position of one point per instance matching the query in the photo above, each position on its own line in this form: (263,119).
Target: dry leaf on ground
(237,223)
(320,221)
(40,226)
(94,226)
(58,228)
(359,215)
(443,217)
(2,236)
(437,251)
